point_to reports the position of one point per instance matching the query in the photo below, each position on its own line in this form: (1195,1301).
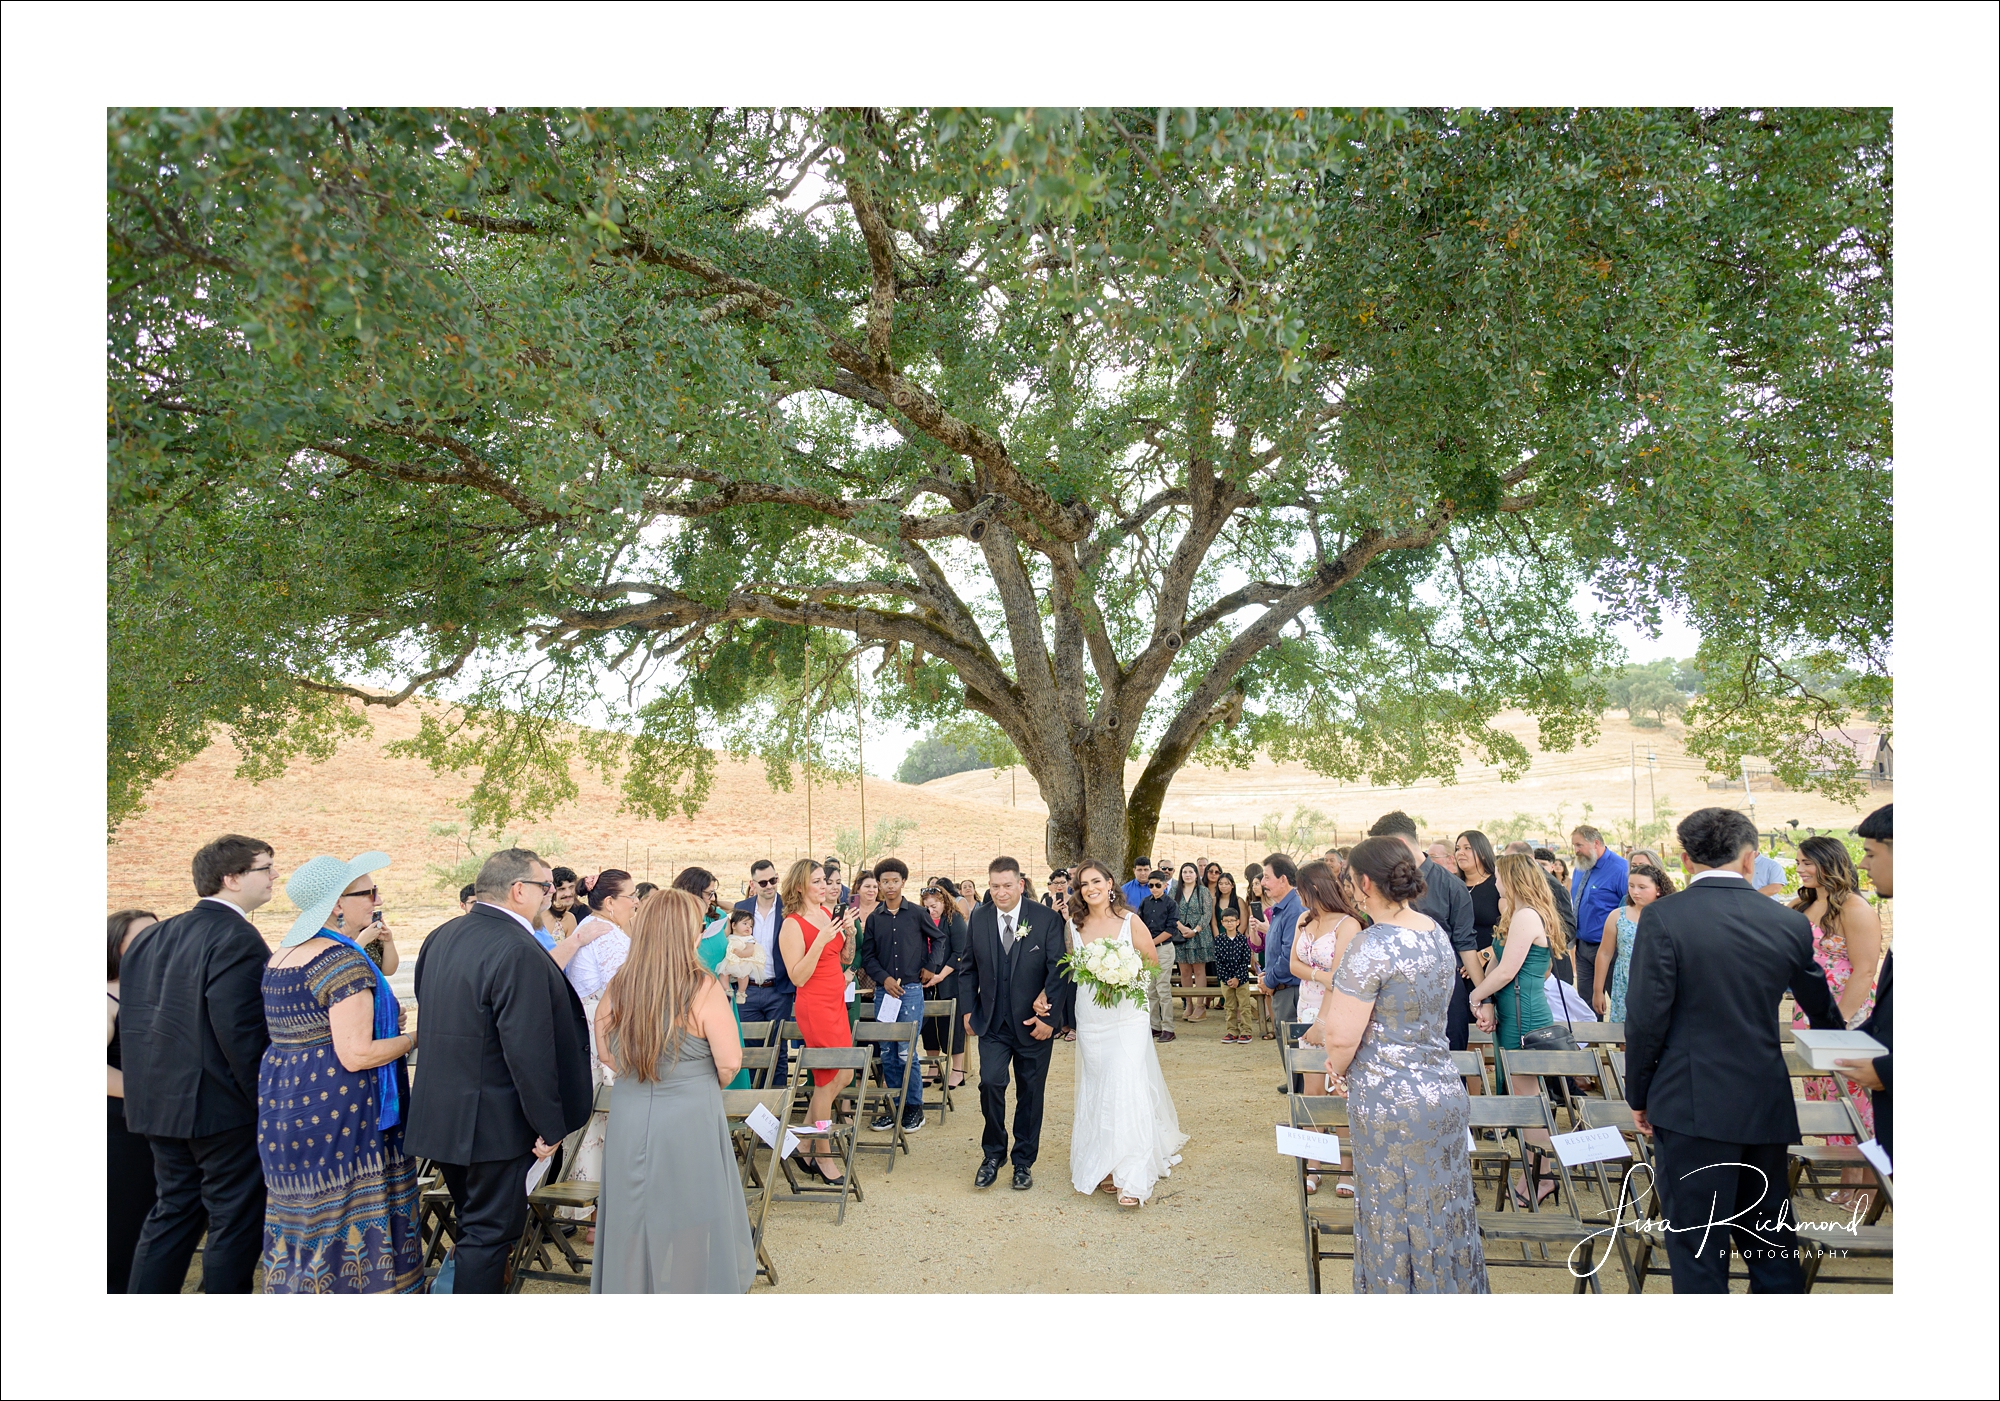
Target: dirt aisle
(1223,1223)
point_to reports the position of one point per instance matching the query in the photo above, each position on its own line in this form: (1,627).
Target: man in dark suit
(1446,900)
(1705,1071)
(506,1065)
(1020,997)
(1878,854)
(769,1000)
(191,1023)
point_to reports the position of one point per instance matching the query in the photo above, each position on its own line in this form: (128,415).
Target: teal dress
(1621,970)
(1523,1004)
(713,948)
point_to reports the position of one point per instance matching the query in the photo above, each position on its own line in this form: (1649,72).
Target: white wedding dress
(1125,1121)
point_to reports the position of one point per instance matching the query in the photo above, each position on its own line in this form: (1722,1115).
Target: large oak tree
(1150,434)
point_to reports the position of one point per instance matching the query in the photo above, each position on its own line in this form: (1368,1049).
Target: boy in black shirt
(1158,914)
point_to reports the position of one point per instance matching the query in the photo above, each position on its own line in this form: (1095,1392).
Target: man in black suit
(191,1022)
(1705,1071)
(1020,997)
(1878,855)
(506,1065)
(1446,900)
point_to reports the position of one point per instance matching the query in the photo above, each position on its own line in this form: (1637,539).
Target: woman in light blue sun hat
(341,1213)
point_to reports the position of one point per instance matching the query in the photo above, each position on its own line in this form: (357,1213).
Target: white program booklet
(1821,1049)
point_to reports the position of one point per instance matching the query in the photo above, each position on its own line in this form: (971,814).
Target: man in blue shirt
(1597,887)
(1282,908)
(1135,890)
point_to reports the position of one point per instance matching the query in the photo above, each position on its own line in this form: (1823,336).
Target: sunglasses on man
(767,884)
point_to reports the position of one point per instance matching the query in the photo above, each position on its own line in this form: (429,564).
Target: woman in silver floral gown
(1416,1223)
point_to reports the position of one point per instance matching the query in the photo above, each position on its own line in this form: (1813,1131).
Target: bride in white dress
(1126,1136)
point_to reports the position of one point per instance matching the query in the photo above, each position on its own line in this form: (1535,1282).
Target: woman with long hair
(1325,931)
(670,1208)
(712,945)
(128,1176)
(605,905)
(1473,857)
(1528,936)
(1194,943)
(1847,943)
(1126,1135)
(1644,884)
(1384,1024)
(813,942)
(943,910)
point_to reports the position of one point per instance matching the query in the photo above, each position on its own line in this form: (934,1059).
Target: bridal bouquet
(1111,969)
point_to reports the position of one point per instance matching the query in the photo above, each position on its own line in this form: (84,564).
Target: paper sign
(764,1124)
(890,1010)
(1590,1146)
(1874,1153)
(537,1170)
(1303,1143)
(791,1143)
(1470,1146)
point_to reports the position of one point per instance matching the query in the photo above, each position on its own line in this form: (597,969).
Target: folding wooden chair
(1324,1215)
(1634,1199)
(1598,1033)
(1823,1237)
(1288,1040)
(759,1061)
(1534,1229)
(1470,1065)
(842,1135)
(943,1015)
(437,1216)
(878,1096)
(1553,1071)
(1814,1158)
(557,1192)
(757,1186)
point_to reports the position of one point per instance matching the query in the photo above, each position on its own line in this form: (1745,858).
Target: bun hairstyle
(1387,862)
(605,885)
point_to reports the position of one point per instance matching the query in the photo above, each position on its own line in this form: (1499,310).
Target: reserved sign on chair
(1589,1146)
(1304,1143)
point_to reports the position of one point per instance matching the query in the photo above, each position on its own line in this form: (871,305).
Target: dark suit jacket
(1701,1023)
(1564,907)
(1881,1025)
(505,1048)
(1004,988)
(1446,900)
(784,981)
(191,1023)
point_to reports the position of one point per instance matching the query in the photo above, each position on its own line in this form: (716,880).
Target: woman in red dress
(811,941)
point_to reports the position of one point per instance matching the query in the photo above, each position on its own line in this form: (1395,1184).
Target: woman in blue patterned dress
(340,1215)
(1416,1224)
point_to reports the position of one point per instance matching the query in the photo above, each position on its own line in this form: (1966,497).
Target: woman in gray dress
(670,1211)
(1416,1222)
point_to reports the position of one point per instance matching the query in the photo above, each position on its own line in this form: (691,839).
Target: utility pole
(1632,767)
(1652,786)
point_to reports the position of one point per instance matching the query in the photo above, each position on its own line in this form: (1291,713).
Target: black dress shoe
(988,1170)
(1023,1179)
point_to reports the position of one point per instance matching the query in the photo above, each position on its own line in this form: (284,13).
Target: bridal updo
(1387,862)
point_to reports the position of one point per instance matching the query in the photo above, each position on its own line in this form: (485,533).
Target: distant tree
(936,758)
(1154,434)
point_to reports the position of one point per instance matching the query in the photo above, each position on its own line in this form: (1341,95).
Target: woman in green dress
(1511,998)
(1194,934)
(713,945)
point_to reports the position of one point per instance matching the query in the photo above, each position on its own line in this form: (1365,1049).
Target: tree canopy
(1142,434)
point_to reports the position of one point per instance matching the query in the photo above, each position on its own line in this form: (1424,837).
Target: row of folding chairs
(1625,1205)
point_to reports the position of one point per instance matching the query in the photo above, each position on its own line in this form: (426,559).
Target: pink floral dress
(1318,953)
(1831,951)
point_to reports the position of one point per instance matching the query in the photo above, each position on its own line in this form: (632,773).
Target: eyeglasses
(767,884)
(267,866)
(538,884)
(368,894)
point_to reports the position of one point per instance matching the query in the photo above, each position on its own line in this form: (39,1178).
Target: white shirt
(1714,871)
(507,912)
(591,970)
(1010,923)
(765,927)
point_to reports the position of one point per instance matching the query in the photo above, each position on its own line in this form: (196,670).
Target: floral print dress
(1831,952)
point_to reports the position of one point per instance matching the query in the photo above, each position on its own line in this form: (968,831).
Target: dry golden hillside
(362,799)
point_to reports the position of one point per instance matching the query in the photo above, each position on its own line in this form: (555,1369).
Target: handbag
(1550,1037)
